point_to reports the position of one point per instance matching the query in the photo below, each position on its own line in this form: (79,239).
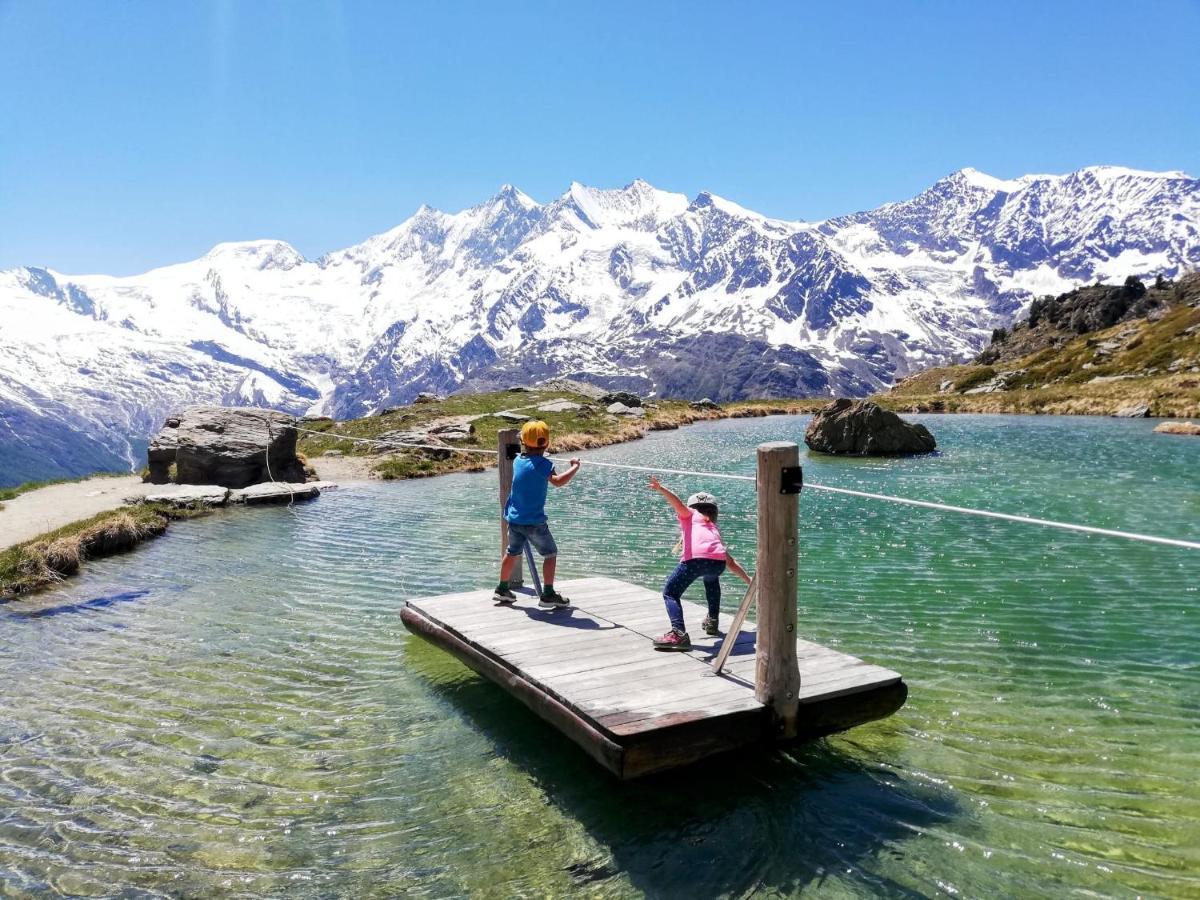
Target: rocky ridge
(637,289)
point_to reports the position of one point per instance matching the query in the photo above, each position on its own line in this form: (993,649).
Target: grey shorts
(538,535)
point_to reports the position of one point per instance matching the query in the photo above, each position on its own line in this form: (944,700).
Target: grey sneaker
(710,625)
(504,596)
(552,599)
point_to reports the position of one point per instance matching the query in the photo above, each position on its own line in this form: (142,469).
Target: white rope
(925,504)
(1009,517)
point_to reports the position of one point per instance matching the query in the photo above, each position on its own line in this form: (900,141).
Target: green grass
(1055,380)
(590,426)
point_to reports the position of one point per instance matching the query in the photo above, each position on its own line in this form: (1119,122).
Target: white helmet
(703,498)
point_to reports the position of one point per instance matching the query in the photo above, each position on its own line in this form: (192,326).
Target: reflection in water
(235,709)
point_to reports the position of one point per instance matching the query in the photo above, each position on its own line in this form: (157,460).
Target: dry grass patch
(51,557)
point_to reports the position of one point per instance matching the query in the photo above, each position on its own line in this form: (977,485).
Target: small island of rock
(862,428)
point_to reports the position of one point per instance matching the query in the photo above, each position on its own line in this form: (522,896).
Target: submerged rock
(228,446)
(862,428)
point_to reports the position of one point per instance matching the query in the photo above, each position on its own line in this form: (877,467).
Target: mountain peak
(974,178)
(260,254)
(510,195)
(637,205)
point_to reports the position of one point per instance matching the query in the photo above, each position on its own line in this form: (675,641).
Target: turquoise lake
(235,709)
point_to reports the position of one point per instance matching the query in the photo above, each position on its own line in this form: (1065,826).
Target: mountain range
(634,288)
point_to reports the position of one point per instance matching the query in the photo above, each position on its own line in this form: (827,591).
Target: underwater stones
(862,428)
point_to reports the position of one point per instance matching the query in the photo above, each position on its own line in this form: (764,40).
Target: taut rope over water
(868,495)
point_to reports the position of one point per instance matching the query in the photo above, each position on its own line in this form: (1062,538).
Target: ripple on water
(236,709)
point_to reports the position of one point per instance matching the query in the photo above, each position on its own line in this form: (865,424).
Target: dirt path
(52,507)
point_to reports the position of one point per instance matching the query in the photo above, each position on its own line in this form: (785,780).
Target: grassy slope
(49,558)
(574,430)
(1054,380)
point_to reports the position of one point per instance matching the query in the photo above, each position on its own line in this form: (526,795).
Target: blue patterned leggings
(681,579)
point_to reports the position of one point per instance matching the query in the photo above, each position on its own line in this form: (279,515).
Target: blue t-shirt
(527,501)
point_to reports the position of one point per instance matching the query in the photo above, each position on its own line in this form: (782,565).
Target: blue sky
(137,134)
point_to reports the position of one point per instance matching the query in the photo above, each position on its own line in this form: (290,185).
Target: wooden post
(507,437)
(777,673)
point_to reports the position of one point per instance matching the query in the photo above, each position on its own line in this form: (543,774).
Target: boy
(525,513)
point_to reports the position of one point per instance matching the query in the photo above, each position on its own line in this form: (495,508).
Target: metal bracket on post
(791,480)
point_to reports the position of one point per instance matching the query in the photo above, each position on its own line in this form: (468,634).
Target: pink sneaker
(674,640)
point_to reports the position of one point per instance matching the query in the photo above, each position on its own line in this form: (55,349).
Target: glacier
(636,288)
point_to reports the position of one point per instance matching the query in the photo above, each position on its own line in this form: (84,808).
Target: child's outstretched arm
(735,568)
(561,480)
(676,503)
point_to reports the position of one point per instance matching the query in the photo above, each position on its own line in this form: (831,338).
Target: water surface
(236,710)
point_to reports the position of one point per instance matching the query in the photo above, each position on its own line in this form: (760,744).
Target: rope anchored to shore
(868,495)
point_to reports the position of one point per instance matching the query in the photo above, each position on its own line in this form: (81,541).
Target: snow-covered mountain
(636,287)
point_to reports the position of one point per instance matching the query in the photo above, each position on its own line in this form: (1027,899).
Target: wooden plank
(593,673)
(640,723)
(597,745)
(687,741)
(735,627)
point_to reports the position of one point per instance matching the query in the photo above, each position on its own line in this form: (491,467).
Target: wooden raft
(591,672)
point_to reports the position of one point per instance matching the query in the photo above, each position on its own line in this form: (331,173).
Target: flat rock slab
(274,492)
(560,405)
(187,495)
(620,409)
(509,416)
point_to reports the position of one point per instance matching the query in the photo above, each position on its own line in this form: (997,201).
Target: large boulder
(625,398)
(862,428)
(228,446)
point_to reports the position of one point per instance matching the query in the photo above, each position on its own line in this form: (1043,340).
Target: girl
(704,556)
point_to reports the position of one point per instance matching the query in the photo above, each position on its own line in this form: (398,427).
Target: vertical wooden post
(507,437)
(777,673)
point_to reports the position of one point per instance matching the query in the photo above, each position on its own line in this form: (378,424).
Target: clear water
(236,709)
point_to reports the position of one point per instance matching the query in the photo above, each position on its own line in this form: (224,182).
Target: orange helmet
(536,434)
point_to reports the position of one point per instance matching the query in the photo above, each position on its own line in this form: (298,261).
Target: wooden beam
(505,438)
(777,675)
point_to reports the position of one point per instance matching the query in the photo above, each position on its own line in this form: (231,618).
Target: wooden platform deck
(591,672)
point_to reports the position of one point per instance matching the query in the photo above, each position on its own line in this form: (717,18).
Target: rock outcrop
(1189,428)
(1133,411)
(227,446)
(862,428)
